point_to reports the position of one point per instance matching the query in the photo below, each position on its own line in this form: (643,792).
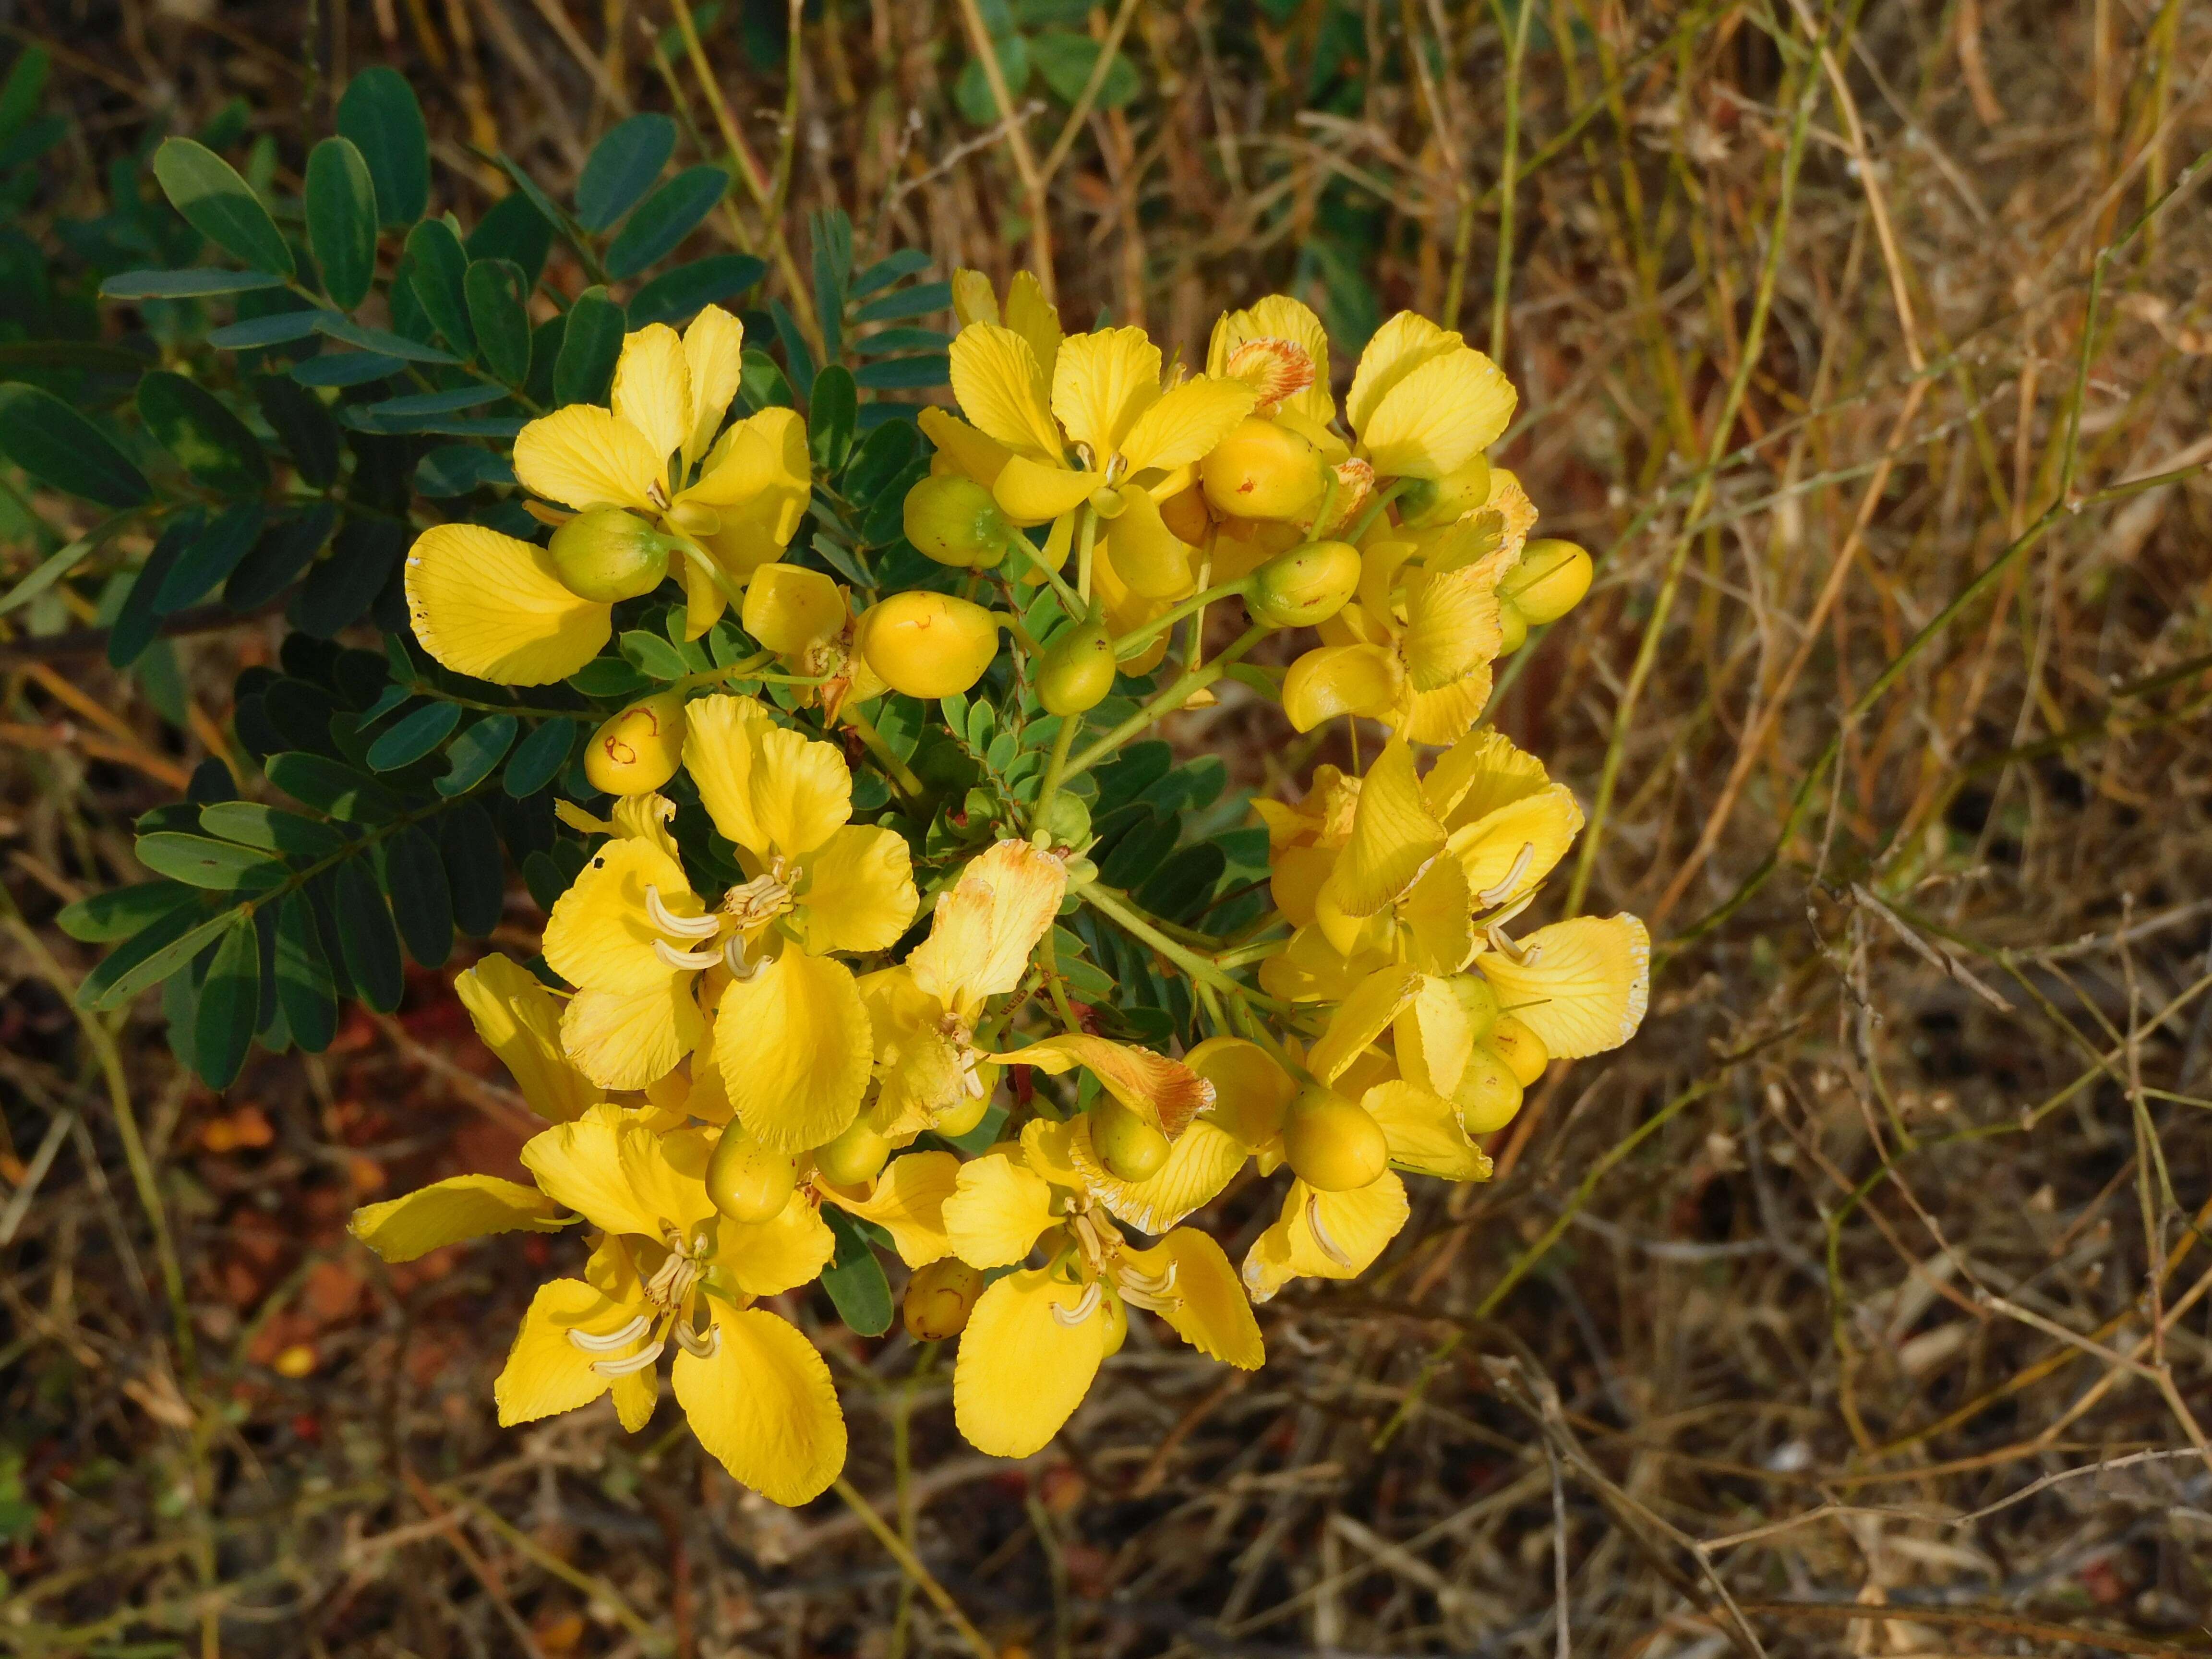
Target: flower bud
(1262,470)
(1184,513)
(640,749)
(1334,1143)
(927,645)
(1549,581)
(1424,503)
(1081,873)
(1513,627)
(606,554)
(855,1156)
(1117,1325)
(1067,821)
(1488,1093)
(1130,1148)
(939,1298)
(1251,1092)
(1305,586)
(1077,670)
(1524,1050)
(746,1181)
(952,519)
(1479,999)
(956,1120)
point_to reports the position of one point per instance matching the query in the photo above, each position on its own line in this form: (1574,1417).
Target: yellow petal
(1166,1093)
(1361,1017)
(613,1169)
(1185,423)
(714,352)
(1311,969)
(1203,1161)
(519,1021)
(1352,1229)
(1480,774)
(998,1208)
(583,456)
(646,817)
(908,1201)
(449,1211)
(766,1258)
(1035,318)
(1003,389)
(789,609)
(1148,557)
(985,926)
(1423,1131)
(1395,349)
(600,935)
(491,606)
(1438,415)
(1031,492)
(1210,1311)
(1381,566)
(1341,679)
(1279,317)
(546,1373)
(1433,1035)
(764,454)
(769,789)
(1507,853)
(1586,989)
(972,454)
(1296,879)
(764,1407)
(973,299)
(1393,838)
(1022,1371)
(1101,383)
(860,895)
(630,1039)
(1439,920)
(1452,625)
(652,388)
(1443,715)
(704,601)
(794,1050)
(636,1396)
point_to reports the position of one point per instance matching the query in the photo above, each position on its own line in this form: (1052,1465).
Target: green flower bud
(1067,820)
(1549,581)
(1488,1095)
(1305,586)
(746,1181)
(952,519)
(1130,1148)
(1077,670)
(1514,625)
(856,1156)
(607,554)
(1424,503)
(1334,1143)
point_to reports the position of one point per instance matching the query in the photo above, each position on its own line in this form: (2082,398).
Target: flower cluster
(756,1016)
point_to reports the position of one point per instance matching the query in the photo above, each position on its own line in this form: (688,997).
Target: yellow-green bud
(1262,470)
(856,1156)
(927,645)
(1488,1093)
(1425,502)
(746,1181)
(1512,625)
(952,519)
(956,1120)
(1305,586)
(939,1298)
(606,554)
(1334,1143)
(1077,670)
(1130,1148)
(640,749)
(1067,820)
(1549,581)
(1478,997)
(1524,1050)
(1117,1323)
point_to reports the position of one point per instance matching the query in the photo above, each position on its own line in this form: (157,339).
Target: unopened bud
(1067,821)
(1262,470)
(607,554)
(1305,586)
(1549,581)
(1512,627)
(927,645)
(939,1298)
(746,1180)
(1488,1094)
(1077,670)
(640,749)
(955,1121)
(855,1156)
(1130,1148)
(1425,502)
(1524,1050)
(952,519)
(1334,1143)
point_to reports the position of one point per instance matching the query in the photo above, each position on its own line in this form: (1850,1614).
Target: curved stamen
(613,1340)
(1082,1310)
(1496,893)
(669,922)
(734,958)
(1329,1247)
(1151,1283)
(692,960)
(636,1363)
(694,1343)
(1149,1301)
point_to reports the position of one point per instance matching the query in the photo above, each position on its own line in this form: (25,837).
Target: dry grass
(1860,1304)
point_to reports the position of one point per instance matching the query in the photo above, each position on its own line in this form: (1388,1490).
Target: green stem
(1068,597)
(1116,908)
(1129,644)
(712,569)
(1086,544)
(1372,511)
(1056,769)
(873,740)
(1165,702)
(737,670)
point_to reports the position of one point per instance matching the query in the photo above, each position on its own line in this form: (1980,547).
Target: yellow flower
(1422,402)
(924,1012)
(1038,1335)
(519,1021)
(1089,422)
(802,616)
(489,606)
